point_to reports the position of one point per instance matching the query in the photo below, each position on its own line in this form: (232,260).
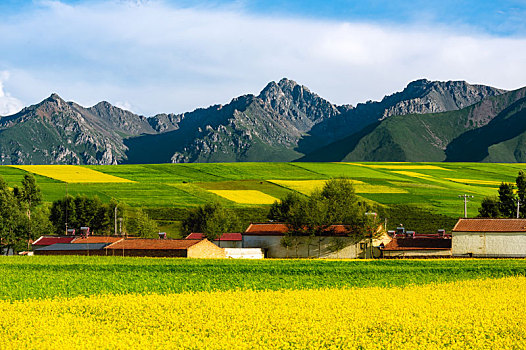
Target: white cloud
(8,104)
(167,59)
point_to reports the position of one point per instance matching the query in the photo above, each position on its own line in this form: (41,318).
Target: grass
(69,276)
(434,186)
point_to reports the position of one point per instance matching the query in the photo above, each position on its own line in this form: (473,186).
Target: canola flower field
(434,186)
(263,304)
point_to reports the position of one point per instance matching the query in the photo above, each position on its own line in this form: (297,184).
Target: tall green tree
(211,219)
(490,207)
(29,197)
(13,222)
(313,216)
(507,200)
(520,181)
(141,225)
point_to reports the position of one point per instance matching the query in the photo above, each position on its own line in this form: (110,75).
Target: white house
(336,244)
(489,238)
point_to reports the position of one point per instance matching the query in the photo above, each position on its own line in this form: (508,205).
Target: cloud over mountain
(165,57)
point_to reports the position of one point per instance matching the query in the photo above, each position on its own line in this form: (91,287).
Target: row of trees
(504,205)
(100,217)
(23,215)
(306,216)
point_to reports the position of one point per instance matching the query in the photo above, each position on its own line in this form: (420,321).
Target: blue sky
(174,56)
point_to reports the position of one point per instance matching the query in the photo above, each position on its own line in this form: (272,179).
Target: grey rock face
(283,122)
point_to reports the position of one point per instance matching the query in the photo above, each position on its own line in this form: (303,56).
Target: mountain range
(426,121)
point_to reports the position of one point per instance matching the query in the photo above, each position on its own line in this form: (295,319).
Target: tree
(507,200)
(141,224)
(211,219)
(82,211)
(29,196)
(489,208)
(13,223)
(520,181)
(312,217)
(280,210)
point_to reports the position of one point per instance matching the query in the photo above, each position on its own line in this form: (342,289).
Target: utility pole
(465,196)
(518,206)
(115,220)
(66,205)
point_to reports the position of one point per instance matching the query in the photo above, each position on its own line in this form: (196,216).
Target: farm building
(410,244)
(489,238)
(227,240)
(45,241)
(336,244)
(72,249)
(183,248)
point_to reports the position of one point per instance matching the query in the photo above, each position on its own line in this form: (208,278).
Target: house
(489,238)
(411,244)
(181,248)
(227,240)
(44,241)
(272,238)
(72,249)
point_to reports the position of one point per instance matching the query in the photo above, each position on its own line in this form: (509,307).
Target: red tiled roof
(153,244)
(418,244)
(49,240)
(224,236)
(490,225)
(279,229)
(97,239)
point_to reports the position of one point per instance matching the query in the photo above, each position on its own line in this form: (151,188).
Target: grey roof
(73,246)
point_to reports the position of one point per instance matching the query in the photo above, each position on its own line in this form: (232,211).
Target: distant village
(491,238)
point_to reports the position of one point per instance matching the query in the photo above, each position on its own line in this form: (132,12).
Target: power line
(465,196)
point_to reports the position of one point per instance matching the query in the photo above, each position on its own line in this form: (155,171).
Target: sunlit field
(112,302)
(71,173)
(432,186)
(245,196)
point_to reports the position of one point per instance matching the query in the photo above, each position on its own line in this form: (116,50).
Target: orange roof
(97,239)
(153,244)
(224,236)
(279,229)
(490,225)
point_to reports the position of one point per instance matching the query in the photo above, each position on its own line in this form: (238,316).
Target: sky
(174,56)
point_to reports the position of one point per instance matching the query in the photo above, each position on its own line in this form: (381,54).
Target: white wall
(244,253)
(274,249)
(497,244)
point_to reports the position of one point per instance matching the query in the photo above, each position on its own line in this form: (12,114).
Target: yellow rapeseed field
(245,196)
(400,166)
(477,314)
(474,182)
(413,174)
(71,173)
(308,186)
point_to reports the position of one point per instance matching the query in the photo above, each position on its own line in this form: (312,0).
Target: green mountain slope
(486,131)
(284,122)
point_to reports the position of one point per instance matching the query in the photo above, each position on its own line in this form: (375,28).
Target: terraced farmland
(434,186)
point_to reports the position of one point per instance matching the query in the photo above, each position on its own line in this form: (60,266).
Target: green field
(432,186)
(67,276)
